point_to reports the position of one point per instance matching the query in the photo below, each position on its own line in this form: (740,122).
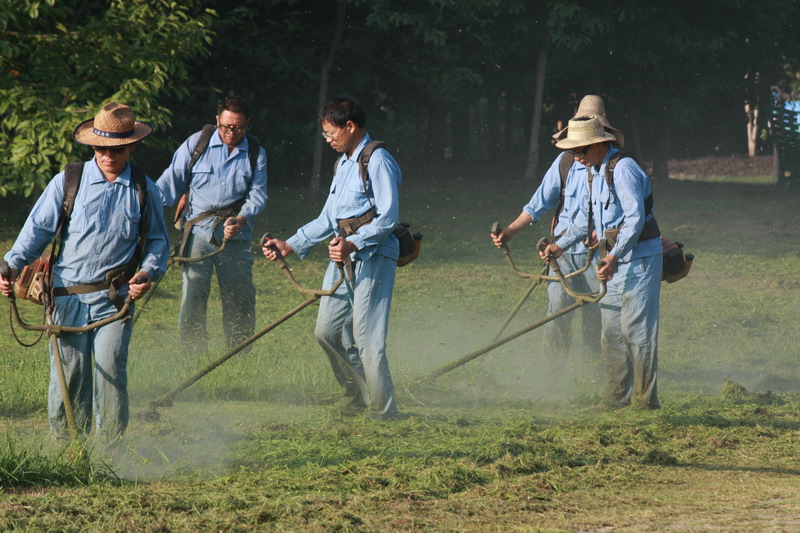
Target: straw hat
(583,132)
(592,106)
(114,125)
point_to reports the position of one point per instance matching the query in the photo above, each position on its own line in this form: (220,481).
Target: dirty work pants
(95,367)
(235,278)
(359,311)
(630,332)
(558,333)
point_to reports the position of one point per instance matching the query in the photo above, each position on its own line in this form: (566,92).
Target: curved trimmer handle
(497,229)
(5,271)
(280,260)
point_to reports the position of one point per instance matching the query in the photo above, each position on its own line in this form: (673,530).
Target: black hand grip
(542,244)
(5,270)
(496,229)
(280,260)
(141,278)
(231,222)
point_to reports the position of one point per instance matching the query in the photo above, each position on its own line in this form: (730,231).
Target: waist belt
(114,280)
(351,225)
(220,215)
(650,230)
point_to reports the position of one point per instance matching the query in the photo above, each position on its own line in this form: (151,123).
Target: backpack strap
(564,164)
(650,230)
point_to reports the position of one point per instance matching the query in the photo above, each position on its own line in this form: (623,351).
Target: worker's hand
(282,246)
(606,271)
(233,226)
(340,249)
(591,241)
(505,235)
(7,284)
(553,250)
(139,284)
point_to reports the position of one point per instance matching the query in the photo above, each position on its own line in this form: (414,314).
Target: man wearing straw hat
(551,191)
(225,191)
(619,209)
(102,259)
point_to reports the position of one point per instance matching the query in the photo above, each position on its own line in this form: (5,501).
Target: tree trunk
(316,170)
(533,144)
(752,128)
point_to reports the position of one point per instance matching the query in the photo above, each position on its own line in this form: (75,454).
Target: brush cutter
(535,279)
(174,258)
(54,330)
(313,295)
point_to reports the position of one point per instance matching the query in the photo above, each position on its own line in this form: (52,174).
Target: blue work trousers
(558,333)
(95,367)
(234,267)
(351,328)
(630,332)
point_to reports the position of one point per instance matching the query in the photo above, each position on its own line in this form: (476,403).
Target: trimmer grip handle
(280,260)
(496,229)
(5,271)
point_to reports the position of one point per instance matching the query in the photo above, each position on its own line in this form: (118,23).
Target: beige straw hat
(114,125)
(592,106)
(583,132)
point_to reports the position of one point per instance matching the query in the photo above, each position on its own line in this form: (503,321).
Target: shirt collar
(97,176)
(216,140)
(360,147)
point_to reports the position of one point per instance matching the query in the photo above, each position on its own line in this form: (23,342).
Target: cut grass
(512,441)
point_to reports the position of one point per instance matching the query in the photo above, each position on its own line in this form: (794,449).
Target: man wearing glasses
(566,191)
(225,187)
(361,217)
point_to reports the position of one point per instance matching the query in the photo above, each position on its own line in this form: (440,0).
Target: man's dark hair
(341,110)
(234,104)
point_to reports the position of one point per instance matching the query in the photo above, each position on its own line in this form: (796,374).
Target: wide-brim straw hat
(592,106)
(583,132)
(114,125)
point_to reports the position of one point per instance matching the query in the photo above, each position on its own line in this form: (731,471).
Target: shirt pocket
(201,174)
(80,220)
(126,226)
(240,183)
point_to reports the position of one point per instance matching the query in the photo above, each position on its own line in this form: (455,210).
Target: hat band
(112,134)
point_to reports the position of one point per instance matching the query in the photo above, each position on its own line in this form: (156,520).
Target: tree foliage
(440,79)
(61,60)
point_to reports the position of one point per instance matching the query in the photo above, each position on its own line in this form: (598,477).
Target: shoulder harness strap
(650,229)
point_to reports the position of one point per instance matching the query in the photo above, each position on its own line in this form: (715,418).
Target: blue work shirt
(548,195)
(218,180)
(619,206)
(102,234)
(346,199)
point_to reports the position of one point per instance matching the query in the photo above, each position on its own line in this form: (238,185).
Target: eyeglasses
(328,136)
(578,152)
(229,128)
(112,149)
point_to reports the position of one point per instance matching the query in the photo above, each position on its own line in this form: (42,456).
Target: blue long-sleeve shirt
(346,199)
(102,233)
(548,195)
(619,206)
(218,180)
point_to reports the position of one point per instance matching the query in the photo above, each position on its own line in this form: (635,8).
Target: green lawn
(516,440)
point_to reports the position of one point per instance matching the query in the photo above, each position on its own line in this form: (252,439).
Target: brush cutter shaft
(497,343)
(165,400)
